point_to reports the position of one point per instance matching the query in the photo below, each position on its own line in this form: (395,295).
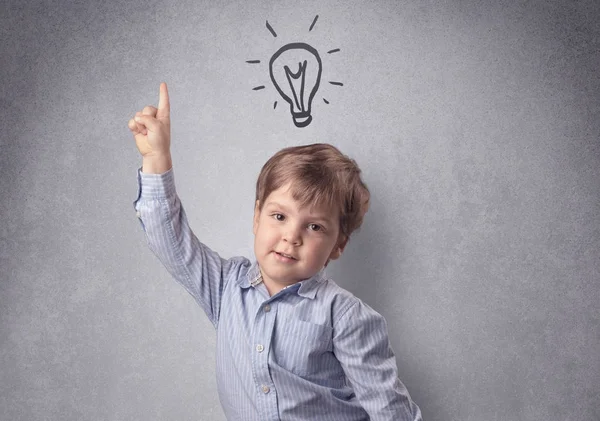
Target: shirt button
(260,348)
(267,308)
(138,214)
(266,389)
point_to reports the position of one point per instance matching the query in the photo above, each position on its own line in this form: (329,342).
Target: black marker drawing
(312,25)
(271,30)
(295,70)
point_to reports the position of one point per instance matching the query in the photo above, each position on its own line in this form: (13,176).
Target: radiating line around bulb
(313,23)
(271,30)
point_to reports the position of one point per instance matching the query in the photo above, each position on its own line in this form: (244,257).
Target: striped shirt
(313,351)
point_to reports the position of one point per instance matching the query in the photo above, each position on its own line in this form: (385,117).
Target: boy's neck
(275,287)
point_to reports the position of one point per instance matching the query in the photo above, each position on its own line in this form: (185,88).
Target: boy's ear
(339,248)
(256,216)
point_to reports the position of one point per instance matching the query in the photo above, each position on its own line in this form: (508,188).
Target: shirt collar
(307,288)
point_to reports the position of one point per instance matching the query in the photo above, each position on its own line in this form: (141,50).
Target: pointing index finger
(164,106)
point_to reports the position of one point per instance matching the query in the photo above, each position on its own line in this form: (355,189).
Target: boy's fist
(151,130)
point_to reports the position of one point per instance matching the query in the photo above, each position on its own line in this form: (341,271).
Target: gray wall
(477,126)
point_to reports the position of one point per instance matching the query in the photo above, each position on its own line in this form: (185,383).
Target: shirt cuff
(156,186)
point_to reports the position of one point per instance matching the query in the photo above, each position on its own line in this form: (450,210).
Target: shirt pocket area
(305,348)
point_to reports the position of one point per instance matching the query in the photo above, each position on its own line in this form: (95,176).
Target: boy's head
(319,175)
(309,200)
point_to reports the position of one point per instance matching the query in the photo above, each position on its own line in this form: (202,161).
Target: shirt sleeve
(361,344)
(201,271)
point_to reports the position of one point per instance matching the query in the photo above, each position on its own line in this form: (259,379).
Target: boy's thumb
(150,122)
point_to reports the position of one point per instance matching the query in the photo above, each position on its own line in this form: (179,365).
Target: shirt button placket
(264,323)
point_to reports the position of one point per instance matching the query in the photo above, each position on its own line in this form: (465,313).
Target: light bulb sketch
(295,70)
(299,84)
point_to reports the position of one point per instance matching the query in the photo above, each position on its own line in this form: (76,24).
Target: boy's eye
(278,217)
(314,227)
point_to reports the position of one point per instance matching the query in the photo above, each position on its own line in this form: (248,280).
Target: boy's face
(293,243)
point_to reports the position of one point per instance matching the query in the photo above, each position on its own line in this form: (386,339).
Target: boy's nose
(292,235)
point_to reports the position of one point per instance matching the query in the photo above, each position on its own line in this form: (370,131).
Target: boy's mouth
(287,256)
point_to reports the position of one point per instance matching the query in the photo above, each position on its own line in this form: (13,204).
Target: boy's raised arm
(201,271)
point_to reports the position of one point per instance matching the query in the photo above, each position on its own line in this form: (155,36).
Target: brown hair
(320,175)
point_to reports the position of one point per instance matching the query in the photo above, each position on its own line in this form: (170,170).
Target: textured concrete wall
(477,125)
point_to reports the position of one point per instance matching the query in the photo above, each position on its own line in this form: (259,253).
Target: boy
(291,344)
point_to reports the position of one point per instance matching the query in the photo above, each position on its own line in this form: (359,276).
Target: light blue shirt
(313,351)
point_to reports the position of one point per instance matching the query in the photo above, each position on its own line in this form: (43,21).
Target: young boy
(291,344)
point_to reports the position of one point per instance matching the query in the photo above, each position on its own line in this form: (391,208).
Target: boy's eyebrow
(277,205)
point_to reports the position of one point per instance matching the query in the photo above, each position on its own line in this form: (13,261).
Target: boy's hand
(151,130)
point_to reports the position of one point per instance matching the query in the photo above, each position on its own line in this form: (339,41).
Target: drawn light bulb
(295,71)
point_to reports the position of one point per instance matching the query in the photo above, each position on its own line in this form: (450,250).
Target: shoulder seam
(345,310)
